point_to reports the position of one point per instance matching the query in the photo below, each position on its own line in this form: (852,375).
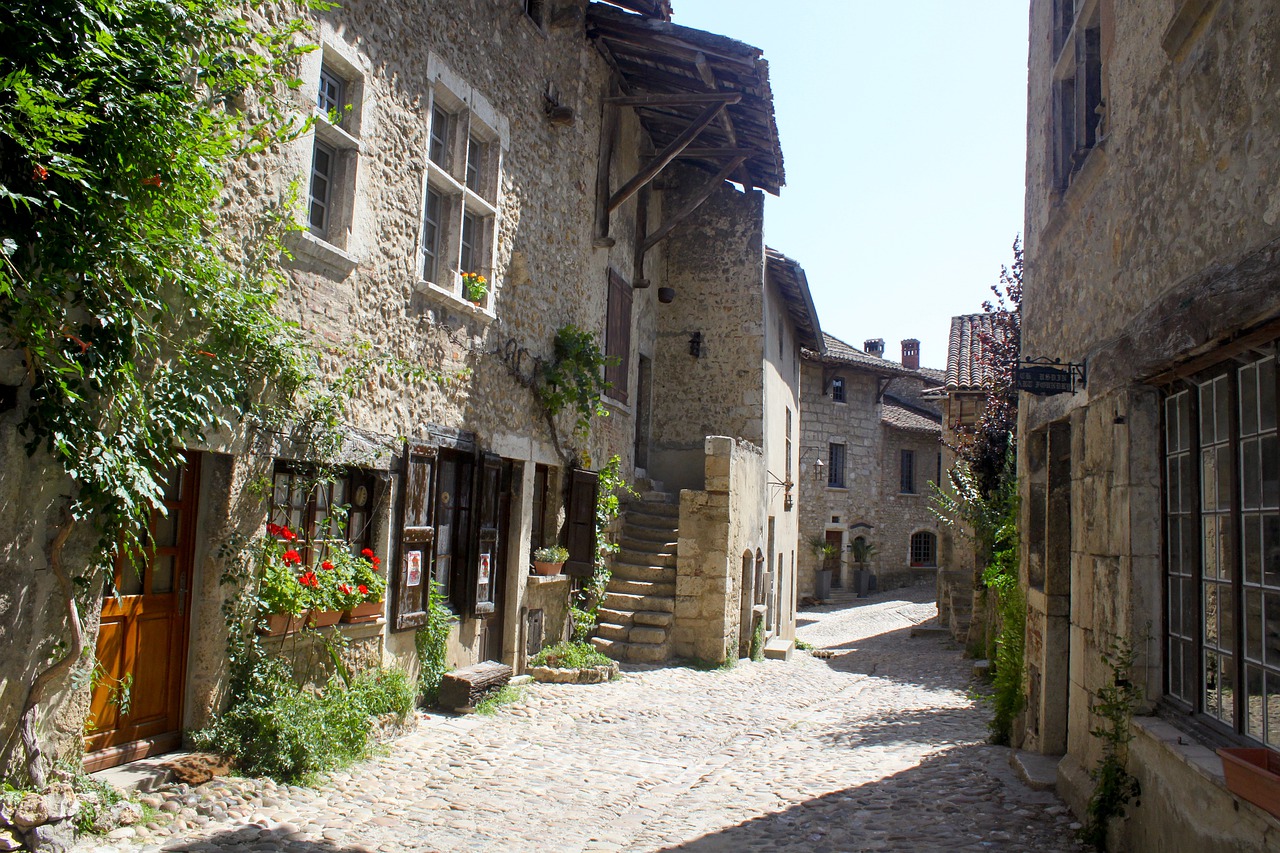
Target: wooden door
(836,538)
(489,575)
(136,707)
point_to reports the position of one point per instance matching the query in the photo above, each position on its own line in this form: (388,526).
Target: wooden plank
(674,99)
(687,210)
(681,142)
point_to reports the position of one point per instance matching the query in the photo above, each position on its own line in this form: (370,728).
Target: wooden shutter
(417,536)
(581,536)
(482,579)
(617,336)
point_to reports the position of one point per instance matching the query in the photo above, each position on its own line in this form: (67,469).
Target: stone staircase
(639,604)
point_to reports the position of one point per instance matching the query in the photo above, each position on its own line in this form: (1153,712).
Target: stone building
(522,141)
(870,453)
(1151,495)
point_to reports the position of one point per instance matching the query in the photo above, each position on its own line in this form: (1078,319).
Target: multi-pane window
(837,389)
(338,510)
(835,465)
(329,96)
(460,197)
(1222,547)
(323,166)
(924,549)
(1077,92)
(334,151)
(907,472)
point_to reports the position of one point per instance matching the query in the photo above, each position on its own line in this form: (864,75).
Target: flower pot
(1253,775)
(366,612)
(547,569)
(279,624)
(323,618)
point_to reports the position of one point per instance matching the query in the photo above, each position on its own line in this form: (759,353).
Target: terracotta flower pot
(1253,775)
(323,618)
(547,569)
(366,612)
(279,624)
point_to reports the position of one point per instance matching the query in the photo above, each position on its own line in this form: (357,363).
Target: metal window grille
(835,465)
(907,473)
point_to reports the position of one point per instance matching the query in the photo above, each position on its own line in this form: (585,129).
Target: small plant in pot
(281,597)
(475,287)
(549,560)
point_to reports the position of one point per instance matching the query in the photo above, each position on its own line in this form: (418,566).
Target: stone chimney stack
(874,346)
(910,354)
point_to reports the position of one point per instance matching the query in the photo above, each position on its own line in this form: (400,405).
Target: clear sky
(903,130)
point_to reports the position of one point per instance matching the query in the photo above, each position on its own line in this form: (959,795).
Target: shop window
(1222,554)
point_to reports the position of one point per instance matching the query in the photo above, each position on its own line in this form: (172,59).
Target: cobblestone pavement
(878,747)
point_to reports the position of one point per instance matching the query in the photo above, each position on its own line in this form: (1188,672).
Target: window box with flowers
(340,586)
(362,589)
(283,598)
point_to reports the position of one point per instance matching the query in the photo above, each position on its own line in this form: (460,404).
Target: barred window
(924,550)
(835,466)
(1222,546)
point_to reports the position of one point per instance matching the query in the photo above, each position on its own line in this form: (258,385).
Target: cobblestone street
(876,748)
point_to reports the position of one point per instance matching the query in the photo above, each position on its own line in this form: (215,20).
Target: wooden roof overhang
(660,9)
(793,287)
(702,98)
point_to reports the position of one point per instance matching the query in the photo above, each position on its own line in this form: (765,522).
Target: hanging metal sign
(1047,376)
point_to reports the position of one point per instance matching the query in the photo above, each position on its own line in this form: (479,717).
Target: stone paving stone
(878,747)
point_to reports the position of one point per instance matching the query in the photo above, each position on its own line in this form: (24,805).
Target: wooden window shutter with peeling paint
(482,579)
(413,570)
(617,337)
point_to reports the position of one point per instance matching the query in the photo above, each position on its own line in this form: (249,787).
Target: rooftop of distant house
(967,364)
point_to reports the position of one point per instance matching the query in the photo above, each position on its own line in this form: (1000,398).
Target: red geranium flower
(368,552)
(364,590)
(327,566)
(344,589)
(309,579)
(292,557)
(281,532)
(376,562)
(39,173)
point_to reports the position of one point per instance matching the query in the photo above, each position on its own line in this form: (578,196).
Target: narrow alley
(879,747)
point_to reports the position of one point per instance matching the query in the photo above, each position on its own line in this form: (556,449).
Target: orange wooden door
(136,709)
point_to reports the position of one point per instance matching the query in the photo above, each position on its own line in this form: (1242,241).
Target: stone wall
(716,264)
(1162,248)
(719,527)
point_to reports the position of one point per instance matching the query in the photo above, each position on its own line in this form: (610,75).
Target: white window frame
(468,190)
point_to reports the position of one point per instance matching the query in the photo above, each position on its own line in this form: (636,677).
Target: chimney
(874,346)
(911,354)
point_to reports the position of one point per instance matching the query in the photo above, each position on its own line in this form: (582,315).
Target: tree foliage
(139,327)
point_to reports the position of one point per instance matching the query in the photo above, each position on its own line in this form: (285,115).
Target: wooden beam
(709,153)
(608,136)
(693,204)
(681,142)
(675,99)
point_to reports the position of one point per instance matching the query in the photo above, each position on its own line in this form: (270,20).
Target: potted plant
(362,593)
(282,599)
(862,551)
(823,552)
(323,583)
(474,287)
(549,560)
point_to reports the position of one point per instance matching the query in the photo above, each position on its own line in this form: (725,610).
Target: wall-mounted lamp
(819,470)
(556,112)
(666,295)
(695,344)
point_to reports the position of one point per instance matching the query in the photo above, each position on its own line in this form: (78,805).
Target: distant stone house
(433,155)
(1150,496)
(870,453)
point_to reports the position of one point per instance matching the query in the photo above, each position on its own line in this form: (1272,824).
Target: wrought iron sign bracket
(1048,376)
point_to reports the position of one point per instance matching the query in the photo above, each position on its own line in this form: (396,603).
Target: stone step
(639,587)
(654,617)
(647,635)
(664,498)
(632,557)
(655,535)
(648,546)
(658,503)
(632,652)
(632,571)
(612,631)
(645,518)
(625,618)
(632,603)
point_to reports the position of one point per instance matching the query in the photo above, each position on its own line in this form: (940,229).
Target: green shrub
(570,655)
(278,730)
(432,644)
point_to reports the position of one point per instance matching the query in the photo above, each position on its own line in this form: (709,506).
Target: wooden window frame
(329,94)
(835,465)
(906,472)
(837,389)
(324,199)
(923,550)
(304,518)
(617,338)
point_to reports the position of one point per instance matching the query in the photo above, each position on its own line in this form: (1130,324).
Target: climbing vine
(431,643)
(611,486)
(140,328)
(574,377)
(1114,786)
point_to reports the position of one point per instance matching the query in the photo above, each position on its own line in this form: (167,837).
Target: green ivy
(431,642)
(574,377)
(1114,786)
(610,486)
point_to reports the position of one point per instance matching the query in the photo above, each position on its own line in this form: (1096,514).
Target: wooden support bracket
(693,204)
(666,155)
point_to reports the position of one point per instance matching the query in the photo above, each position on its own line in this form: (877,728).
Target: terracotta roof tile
(900,417)
(966,368)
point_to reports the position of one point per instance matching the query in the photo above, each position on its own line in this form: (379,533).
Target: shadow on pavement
(254,838)
(962,798)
